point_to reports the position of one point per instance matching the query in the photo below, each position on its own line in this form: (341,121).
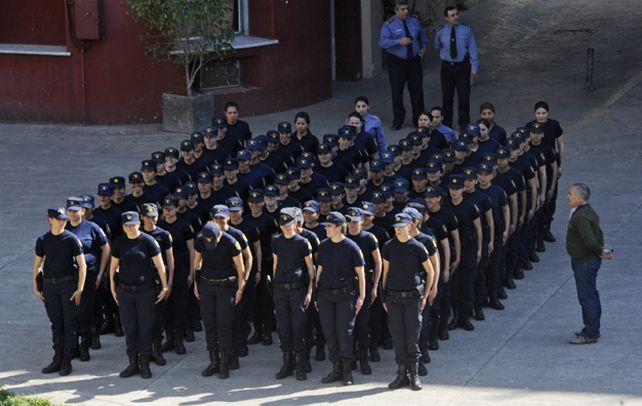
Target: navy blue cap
(456,182)
(149,210)
(467,136)
(432,191)
(387,158)
(393,149)
(418,204)
(330,139)
(105,189)
(335,218)
(117,181)
(253,145)
(405,145)
(204,177)
(170,202)
(234,203)
(433,167)
(367,208)
(414,214)
(286,219)
(415,138)
(536,128)
(148,165)
(191,187)
(472,129)
(171,151)
(324,195)
(324,149)
(336,188)
(401,220)
(461,145)
(502,153)
(354,214)
(418,174)
(255,196)
(284,127)
(282,179)
(216,169)
(74,203)
(346,131)
(182,192)
(449,155)
(187,145)
(304,163)
(129,218)
(210,132)
(271,191)
(158,156)
(273,137)
(360,173)
(293,173)
(386,190)
(136,177)
(311,206)
(57,213)
(196,137)
(470,173)
(231,164)
(378,197)
(351,182)
(376,166)
(307,155)
(401,186)
(243,155)
(220,210)
(87,201)
(484,168)
(210,235)
(219,122)
(512,145)
(489,158)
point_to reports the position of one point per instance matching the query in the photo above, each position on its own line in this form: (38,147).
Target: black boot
(425,357)
(402,378)
(178,343)
(539,246)
(287,369)
(234,362)
(307,367)
(527,267)
(145,372)
(267,338)
(83,349)
(224,371)
(132,369)
(157,354)
(533,257)
(54,366)
(501,293)
(256,337)
(415,383)
(196,325)
(423,371)
(443,329)
(168,345)
(189,335)
(478,313)
(65,364)
(374,354)
(509,283)
(214,365)
(346,373)
(320,353)
(465,323)
(495,304)
(118,328)
(335,375)
(433,335)
(454,323)
(363,362)
(519,274)
(548,236)
(95,340)
(300,360)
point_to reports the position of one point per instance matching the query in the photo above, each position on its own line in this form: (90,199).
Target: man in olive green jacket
(585,246)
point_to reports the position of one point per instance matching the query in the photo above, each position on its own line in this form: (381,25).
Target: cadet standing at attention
(59,257)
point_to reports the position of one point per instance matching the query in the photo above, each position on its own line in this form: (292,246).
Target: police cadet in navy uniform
(96,251)
(219,286)
(136,198)
(60,265)
(339,298)
(293,281)
(149,218)
(405,40)
(118,192)
(459,60)
(135,256)
(406,296)
(369,246)
(154,191)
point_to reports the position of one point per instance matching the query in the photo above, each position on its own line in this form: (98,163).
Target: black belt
(454,63)
(404,294)
(136,288)
(59,280)
(230,281)
(336,292)
(289,285)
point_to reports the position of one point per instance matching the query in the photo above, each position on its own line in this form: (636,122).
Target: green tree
(186,32)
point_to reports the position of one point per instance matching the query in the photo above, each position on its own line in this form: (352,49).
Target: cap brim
(235,208)
(310,209)
(354,218)
(74,208)
(61,217)
(131,223)
(288,224)
(401,224)
(221,215)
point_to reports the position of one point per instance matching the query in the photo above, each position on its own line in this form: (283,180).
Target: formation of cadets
(338,243)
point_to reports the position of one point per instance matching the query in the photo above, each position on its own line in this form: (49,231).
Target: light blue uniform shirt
(392,31)
(373,125)
(448,133)
(465,44)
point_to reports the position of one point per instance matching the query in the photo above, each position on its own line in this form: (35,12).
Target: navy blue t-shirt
(135,255)
(291,253)
(112,217)
(59,252)
(498,199)
(163,238)
(219,262)
(367,243)
(466,212)
(92,238)
(338,260)
(405,261)
(181,233)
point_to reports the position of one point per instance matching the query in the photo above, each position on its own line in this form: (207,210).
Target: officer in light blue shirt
(458,53)
(405,40)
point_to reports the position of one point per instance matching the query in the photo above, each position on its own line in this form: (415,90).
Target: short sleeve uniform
(59,253)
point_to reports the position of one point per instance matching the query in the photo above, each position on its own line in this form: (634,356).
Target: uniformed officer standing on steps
(59,257)
(405,40)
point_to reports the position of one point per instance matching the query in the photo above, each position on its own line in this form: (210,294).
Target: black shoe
(197,326)
(395,127)
(539,246)
(234,362)
(95,342)
(495,304)
(548,236)
(54,366)
(527,266)
(478,313)
(346,373)
(224,370)
(415,383)
(422,369)
(320,353)
(454,323)
(364,367)
(433,344)
(107,328)
(256,337)
(518,274)
(443,330)
(374,354)
(65,365)
(467,325)
(132,369)
(179,346)
(334,375)
(214,365)
(533,257)
(425,357)
(118,330)
(83,349)
(189,335)
(243,351)
(287,369)
(307,367)
(402,378)
(168,345)
(145,372)
(501,293)
(157,354)
(267,339)
(299,365)
(387,343)
(509,283)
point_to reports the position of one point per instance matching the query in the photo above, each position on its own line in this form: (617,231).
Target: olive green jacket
(584,238)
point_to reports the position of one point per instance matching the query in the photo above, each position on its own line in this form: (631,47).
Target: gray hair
(582,190)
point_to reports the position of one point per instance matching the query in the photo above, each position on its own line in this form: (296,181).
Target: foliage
(186,32)
(9,399)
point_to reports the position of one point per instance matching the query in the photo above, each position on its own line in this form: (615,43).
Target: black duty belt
(453,63)
(136,288)
(223,282)
(404,294)
(59,280)
(289,285)
(336,292)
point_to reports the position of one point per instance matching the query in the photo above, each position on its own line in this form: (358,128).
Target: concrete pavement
(529,51)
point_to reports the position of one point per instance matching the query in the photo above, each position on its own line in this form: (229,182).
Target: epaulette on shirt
(389,21)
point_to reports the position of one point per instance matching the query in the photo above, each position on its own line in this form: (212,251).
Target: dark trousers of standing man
(336,310)
(137,314)
(404,319)
(400,72)
(290,316)
(62,313)
(456,75)
(585,273)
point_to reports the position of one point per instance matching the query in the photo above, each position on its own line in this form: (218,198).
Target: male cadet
(485,207)
(174,176)
(309,180)
(228,145)
(268,227)
(369,246)
(406,296)
(337,193)
(153,191)
(198,141)
(470,235)
(206,198)
(183,212)
(61,265)
(351,190)
(381,218)
(347,154)
(282,183)
(324,197)
(311,219)
(245,174)
(405,40)
(238,131)
(294,189)
(95,248)
(275,158)
(272,203)
(118,192)
(183,250)
(401,195)
(293,280)
(407,161)
(289,148)
(188,162)
(256,147)
(459,61)
(231,170)
(220,188)
(213,152)
(419,180)
(136,198)
(327,168)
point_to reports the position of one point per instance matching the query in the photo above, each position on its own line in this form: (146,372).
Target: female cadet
(293,281)
(134,256)
(58,258)
(339,262)
(219,287)
(405,298)
(373,124)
